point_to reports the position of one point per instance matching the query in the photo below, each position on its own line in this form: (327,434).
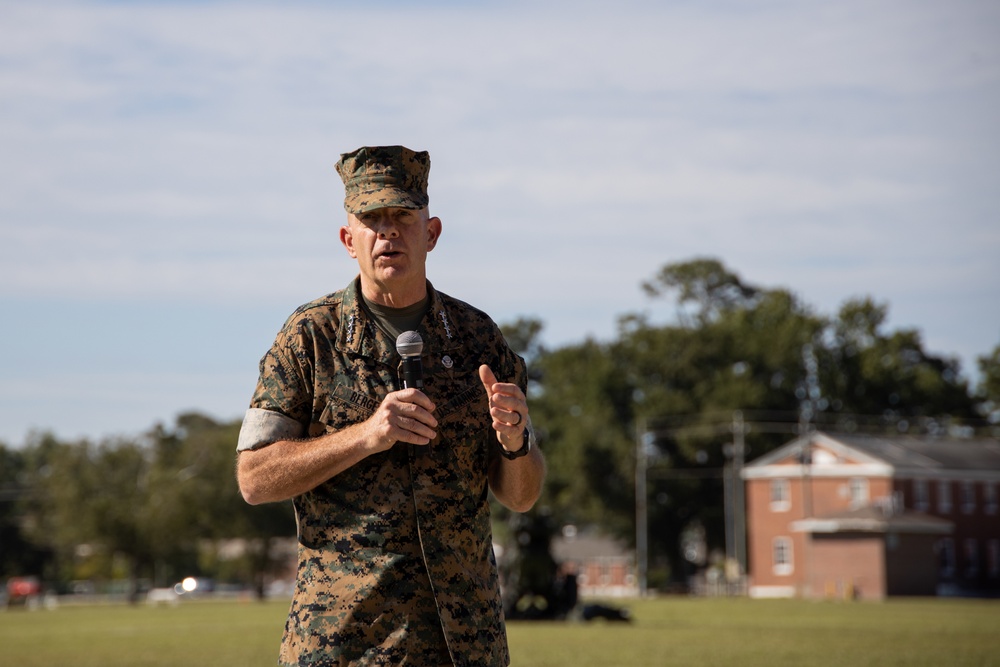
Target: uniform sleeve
(262,427)
(285,383)
(513,369)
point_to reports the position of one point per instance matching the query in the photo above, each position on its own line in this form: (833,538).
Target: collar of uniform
(360,335)
(438,328)
(357,332)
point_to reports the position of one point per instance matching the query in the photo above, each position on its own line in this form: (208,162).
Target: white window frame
(858,491)
(781,495)
(782,558)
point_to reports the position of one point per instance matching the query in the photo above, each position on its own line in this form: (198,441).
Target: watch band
(523,451)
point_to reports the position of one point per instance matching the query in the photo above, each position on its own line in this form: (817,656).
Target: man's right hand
(404,416)
(287,468)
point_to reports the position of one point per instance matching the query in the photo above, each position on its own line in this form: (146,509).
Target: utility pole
(642,437)
(728,500)
(739,504)
(807,413)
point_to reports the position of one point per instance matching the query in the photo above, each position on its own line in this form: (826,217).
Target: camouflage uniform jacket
(396,562)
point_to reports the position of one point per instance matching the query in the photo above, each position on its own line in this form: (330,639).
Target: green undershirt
(394,321)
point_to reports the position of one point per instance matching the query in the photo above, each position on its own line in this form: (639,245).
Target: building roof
(874,518)
(587,546)
(930,453)
(898,456)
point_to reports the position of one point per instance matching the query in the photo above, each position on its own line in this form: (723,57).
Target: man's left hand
(508,408)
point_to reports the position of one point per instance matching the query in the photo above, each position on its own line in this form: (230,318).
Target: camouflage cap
(380,176)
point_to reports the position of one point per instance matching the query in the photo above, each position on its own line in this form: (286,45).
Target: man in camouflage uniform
(390,484)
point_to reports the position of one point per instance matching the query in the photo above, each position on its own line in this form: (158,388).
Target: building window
(859,491)
(990,497)
(968,491)
(921,501)
(944,497)
(946,557)
(993,559)
(971,549)
(780,495)
(782,556)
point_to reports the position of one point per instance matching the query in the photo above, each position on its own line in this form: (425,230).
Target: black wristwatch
(523,451)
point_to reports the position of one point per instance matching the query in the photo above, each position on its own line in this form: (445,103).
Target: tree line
(147,511)
(160,506)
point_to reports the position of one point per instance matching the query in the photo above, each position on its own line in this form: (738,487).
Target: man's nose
(386,228)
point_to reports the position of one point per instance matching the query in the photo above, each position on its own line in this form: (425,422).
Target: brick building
(604,567)
(832,515)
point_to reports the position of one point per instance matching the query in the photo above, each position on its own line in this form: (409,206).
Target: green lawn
(673,631)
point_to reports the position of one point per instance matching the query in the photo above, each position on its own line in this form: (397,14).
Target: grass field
(670,631)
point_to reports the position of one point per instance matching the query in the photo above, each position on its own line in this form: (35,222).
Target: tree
(734,346)
(874,373)
(704,284)
(524,337)
(92,495)
(18,555)
(584,417)
(201,500)
(742,351)
(989,386)
(152,508)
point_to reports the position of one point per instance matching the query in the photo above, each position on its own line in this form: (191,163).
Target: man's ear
(433,232)
(347,239)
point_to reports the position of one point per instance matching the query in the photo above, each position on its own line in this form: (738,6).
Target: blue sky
(168,193)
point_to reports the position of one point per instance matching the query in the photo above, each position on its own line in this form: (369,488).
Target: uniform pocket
(346,406)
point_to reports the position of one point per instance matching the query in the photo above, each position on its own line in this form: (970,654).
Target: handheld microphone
(410,345)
